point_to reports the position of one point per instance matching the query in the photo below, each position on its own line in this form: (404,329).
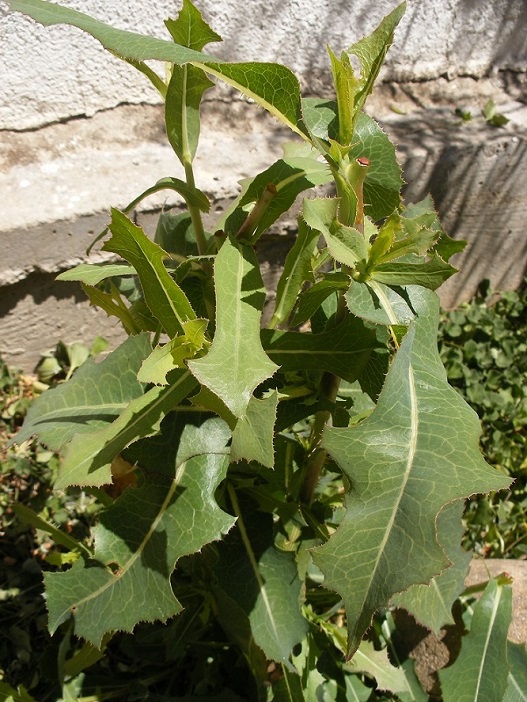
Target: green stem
(195,214)
(249,227)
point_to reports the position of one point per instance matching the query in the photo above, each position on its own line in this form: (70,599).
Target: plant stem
(195,214)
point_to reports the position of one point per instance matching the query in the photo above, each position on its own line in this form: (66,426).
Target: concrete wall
(81,131)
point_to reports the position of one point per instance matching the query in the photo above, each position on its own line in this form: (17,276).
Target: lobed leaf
(253,436)
(416,452)
(236,362)
(129,578)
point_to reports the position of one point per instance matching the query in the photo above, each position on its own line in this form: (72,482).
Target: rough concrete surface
(69,74)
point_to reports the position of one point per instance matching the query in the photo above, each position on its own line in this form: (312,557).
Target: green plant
(281,486)
(483,346)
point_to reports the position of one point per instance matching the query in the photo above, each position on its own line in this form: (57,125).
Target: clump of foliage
(484,348)
(265,493)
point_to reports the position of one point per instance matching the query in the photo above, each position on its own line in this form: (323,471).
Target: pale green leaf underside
(378,303)
(95,395)
(143,551)
(480,672)
(236,362)
(416,452)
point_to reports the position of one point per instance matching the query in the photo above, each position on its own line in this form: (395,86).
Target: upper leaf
(416,452)
(371,52)
(236,362)
(190,29)
(142,535)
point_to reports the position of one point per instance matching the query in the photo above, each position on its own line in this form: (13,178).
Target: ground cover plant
(264,494)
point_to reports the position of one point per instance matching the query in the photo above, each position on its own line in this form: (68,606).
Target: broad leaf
(95,395)
(346,244)
(236,362)
(88,458)
(431,604)
(129,578)
(264,582)
(190,29)
(253,436)
(480,672)
(416,452)
(445,246)
(517,681)
(376,664)
(344,350)
(167,302)
(297,270)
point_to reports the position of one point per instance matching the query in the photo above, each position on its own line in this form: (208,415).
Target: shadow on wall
(476,180)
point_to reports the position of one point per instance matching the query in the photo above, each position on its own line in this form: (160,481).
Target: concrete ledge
(58,184)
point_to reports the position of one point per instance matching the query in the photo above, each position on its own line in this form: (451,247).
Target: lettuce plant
(288,477)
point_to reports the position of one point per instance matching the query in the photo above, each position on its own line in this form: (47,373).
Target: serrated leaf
(346,244)
(290,176)
(253,436)
(87,458)
(297,270)
(431,605)
(371,52)
(416,452)
(413,271)
(265,585)
(445,246)
(344,350)
(480,672)
(95,395)
(236,362)
(167,302)
(129,579)
(93,273)
(383,182)
(272,86)
(320,117)
(517,680)
(379,303)
(190,29)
